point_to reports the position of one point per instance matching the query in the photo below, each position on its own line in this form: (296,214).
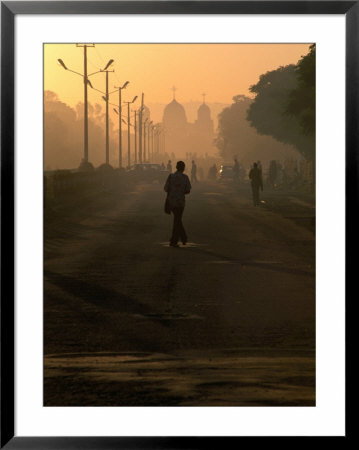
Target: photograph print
(179,224)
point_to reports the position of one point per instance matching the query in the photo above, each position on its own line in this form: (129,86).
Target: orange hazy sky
(219,70)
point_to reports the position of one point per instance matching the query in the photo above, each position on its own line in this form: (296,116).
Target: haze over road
(227,320)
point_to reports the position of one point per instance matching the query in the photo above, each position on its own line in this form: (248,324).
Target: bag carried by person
(167,206)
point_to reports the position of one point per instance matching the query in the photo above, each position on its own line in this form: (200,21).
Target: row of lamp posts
(151,143)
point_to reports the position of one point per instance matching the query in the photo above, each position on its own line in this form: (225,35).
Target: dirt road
(227,320)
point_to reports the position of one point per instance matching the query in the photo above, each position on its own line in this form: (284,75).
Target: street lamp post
(157,139)
(140,129)
(128,131)
(107,134)
(144,139)
(106,99)
(86,154)
(135,113)
(128,136)
(152,140)
(120,122)
(148,137)
(86,82)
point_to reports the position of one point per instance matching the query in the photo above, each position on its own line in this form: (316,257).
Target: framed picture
(124,327)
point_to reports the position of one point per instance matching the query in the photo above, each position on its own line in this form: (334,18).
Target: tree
(301,102)
(236,138)
(63,134)
(268,112)
(230,126)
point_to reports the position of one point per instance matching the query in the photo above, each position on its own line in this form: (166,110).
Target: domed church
(203,127)
(204,123)
(174,115)
(182,137)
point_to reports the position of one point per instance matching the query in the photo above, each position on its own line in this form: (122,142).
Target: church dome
(204,113)
(174,114)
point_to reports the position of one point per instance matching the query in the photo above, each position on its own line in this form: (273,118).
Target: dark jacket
(177,186)
(255,175)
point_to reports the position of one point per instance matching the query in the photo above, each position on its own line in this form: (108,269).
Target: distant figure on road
(163,167)
(235,171)
(194,173)
(255,175)
(169,166)
(177,186)
(212,173)
(272,174)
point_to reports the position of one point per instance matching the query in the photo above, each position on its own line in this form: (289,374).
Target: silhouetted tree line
(301,102)
(63,133)
(236,137)
(284,106)
(283,109)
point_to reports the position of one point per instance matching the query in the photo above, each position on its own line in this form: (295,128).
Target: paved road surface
(227,320)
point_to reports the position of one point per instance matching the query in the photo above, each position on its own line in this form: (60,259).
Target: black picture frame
(9,9)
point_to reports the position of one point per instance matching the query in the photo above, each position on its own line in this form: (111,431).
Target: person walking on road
(177,186)
(169,166)
(255,175)
(194,173)
(236,171)
(272,174)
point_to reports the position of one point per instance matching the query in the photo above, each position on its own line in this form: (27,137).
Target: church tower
(203,128)
(204,123)
(175,127)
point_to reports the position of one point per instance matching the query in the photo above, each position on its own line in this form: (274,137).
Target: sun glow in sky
(219,70)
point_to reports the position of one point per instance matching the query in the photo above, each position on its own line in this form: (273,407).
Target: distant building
(183,137)
(176,128)
(204,123)
(202,129)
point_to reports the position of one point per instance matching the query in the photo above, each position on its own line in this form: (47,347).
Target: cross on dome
(174,89)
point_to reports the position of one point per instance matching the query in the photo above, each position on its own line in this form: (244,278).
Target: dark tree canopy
(301,102)
(269,114)
(232,126)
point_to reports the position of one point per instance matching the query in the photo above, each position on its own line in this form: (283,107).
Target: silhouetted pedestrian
(272,174)
(255,175)
(169,166)
(235,171)
(177,186)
